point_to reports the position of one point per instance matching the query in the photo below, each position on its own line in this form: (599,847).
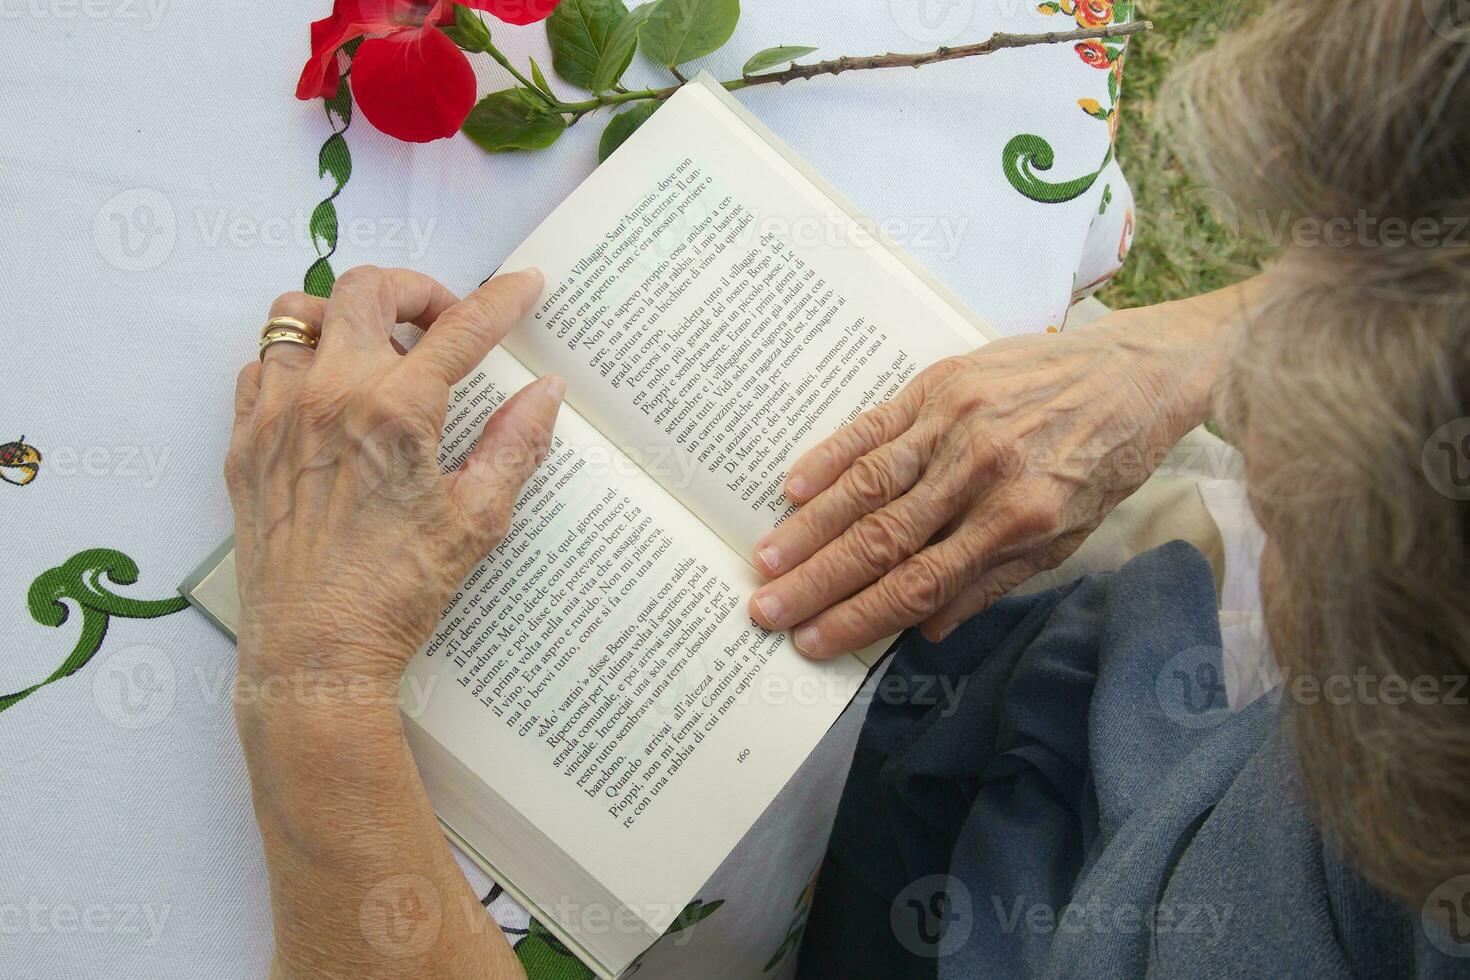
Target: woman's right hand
(985,470)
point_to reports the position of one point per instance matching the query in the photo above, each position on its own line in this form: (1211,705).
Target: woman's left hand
(349,538)
(985,470)
(349,541)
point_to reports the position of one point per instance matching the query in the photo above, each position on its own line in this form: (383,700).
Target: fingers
(466,332)
(870,483)
(903,597)
(285,360)
(247,391)
(514,442)
(819,467)
(864,553)
(920,586)
(981,594)
(367,302)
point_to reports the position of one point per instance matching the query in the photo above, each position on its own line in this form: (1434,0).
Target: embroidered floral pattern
(1026,154)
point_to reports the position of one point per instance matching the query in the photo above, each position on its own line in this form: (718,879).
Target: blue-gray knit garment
(1088,807)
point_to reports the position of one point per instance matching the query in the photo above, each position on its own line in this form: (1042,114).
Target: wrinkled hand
(350,539)
(985,470)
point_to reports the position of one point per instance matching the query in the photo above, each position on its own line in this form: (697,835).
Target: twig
(836,66)
(996,42)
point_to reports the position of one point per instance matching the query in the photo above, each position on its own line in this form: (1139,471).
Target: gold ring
(287,335)
(290,322)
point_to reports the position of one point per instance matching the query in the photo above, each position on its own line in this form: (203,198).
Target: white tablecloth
(156,183)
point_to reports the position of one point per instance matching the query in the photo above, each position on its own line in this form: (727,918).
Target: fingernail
(770,557)
(944,633)
(770,607)
(556,388)
(807,639)
(531,274)
(796,487)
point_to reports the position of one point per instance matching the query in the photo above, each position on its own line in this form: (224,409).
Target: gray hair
(1322,112)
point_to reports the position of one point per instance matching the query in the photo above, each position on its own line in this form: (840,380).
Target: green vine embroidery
(332,159)
(1026,154)
(544,957)
(80,579)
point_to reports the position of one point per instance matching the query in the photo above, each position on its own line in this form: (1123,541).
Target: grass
(1180,248)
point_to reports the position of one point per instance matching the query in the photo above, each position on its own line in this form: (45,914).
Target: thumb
(514,442)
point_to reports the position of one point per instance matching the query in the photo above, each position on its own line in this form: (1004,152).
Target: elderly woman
(1062,818)
(1090,807)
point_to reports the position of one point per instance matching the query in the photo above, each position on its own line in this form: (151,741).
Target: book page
(599,672)
(715,311)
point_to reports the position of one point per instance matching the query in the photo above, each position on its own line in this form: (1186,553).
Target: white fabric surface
(156,180)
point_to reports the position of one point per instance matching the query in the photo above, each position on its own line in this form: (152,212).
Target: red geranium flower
(1094,53)
(411,81)
(1094,13)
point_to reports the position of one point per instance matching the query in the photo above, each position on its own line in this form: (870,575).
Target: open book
(596,718)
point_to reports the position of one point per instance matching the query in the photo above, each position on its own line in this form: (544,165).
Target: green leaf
(579,31)
(513,119)
(319,279)
(771,57)
(335,160)
(468,30)
(1113,86)
(540,79)
(617,54)
(324,227)
(623,125)
(682,30)
(340,106)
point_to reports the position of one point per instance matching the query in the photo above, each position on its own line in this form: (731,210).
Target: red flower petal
(515,11)
(1093,52)
(319,77)
(414,85)
(354,18)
